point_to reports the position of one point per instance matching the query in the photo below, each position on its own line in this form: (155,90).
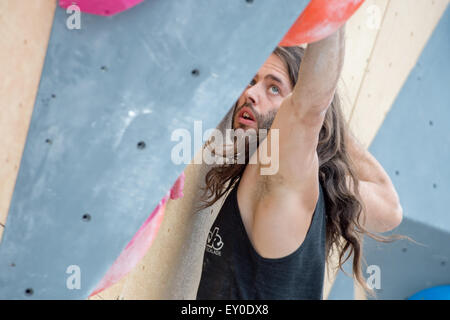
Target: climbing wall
(19,83)
(384,40)
(413,146)
(97,156)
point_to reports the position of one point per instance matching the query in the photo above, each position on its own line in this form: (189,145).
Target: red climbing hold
(320,19)
(141,241)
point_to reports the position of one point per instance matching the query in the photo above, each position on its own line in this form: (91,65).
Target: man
(274,232)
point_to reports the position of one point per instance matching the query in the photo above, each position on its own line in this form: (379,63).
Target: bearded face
(246,117)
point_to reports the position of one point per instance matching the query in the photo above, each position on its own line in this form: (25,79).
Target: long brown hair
(337,175)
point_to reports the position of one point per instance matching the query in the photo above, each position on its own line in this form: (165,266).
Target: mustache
(250,106)
(263,121)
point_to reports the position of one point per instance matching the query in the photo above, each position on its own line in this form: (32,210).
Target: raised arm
(302,113)
(280,206)
(318,76)
(382,210)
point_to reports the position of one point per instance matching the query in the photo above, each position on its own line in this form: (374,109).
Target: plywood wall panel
(24,33)
(404,32)
(361,33)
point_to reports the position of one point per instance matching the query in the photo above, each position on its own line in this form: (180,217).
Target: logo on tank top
(214,243)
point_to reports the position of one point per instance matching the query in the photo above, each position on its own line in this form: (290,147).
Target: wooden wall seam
(25,28)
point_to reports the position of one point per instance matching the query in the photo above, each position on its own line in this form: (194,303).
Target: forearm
(318,74)
(367,167)
(382,210)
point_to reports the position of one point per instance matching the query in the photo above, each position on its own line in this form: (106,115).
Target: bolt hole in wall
(195,72)
(141,145)
(86,217)
(104,68)
(29,292)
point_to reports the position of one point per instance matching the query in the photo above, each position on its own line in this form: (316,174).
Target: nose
(252,95)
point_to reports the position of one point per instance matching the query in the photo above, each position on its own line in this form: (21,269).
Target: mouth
(246,117)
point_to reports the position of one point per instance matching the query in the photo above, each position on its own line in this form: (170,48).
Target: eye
(274,90)
(252,83)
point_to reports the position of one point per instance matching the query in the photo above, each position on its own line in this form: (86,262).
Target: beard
(244,148)
(217,178)
(263,121)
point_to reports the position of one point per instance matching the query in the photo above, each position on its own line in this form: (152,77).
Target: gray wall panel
(414,146)
(117,81)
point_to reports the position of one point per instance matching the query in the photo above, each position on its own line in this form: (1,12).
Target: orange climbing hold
(320,19)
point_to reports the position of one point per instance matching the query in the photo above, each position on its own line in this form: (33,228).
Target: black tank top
(232,269)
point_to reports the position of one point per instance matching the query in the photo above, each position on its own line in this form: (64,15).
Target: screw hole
(397,172)
(86,217)
(249,1)
(195,72)
(443,263)
(29,292)
(48,141)
(103,68)
(53,95)
(13,264)
(141,145)
(404,249)
(434,186)
(431,123)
